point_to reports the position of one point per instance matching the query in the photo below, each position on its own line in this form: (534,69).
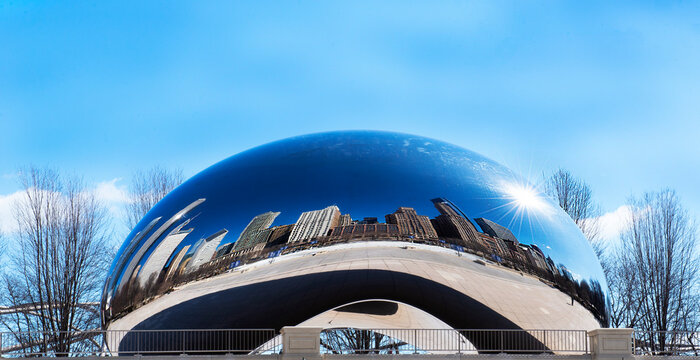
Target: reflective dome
(281,233)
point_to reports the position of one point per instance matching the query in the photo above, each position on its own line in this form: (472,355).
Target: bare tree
(576,198)
(3,265)
(147,188)
(625,304)
(3,246)
(659,252)
(59,264)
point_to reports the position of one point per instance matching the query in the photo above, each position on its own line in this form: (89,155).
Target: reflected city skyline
(260,240)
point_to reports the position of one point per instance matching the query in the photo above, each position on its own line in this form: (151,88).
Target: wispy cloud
(9,175)
(7,223)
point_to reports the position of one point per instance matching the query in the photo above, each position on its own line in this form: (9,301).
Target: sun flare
(526,197)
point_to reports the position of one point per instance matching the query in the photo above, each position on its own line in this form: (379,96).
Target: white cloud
(113,196)
(612,224)
(111,193)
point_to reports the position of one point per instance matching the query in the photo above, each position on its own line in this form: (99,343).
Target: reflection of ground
(521,299)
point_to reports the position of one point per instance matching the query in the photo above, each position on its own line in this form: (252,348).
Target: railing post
(501,347)
(611,344)
(415,341)
(459,342)
(300,342)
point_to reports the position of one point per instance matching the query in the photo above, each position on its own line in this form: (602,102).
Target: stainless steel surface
(486,241)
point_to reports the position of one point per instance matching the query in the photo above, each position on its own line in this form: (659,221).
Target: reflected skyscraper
(206,250)
(160,255)
(452,224)
(251,234)
(497,246)
(175,263)
(411,224)
(345,219)
(363,231)
(280,235)
(313,224)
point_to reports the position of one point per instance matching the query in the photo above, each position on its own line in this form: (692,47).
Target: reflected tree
(575,197)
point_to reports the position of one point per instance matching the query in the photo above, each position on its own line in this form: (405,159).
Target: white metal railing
(132,342)
(444,341)
(332,341)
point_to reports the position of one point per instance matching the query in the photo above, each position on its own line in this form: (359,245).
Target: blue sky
(608,90)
